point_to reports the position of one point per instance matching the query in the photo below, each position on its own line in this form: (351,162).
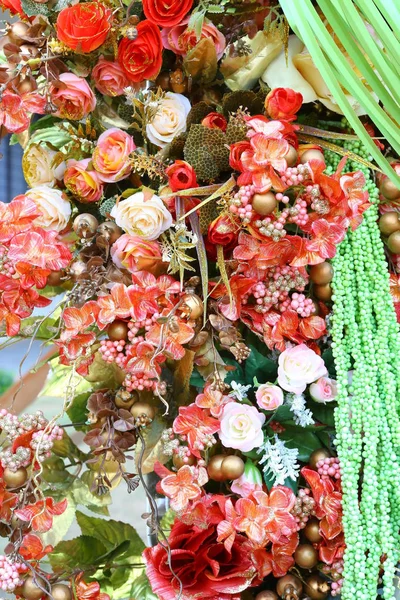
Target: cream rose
(53,205)
(241,427)
(39,166)
(299,366)
(169,120)
(142,214)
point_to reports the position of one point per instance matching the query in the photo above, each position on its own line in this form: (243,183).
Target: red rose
(84,27)
(215,120)
(14,6)
(166,13)
(181,176)
(204,566)
(283,103)
(142,58)
(235,155)
(223,231)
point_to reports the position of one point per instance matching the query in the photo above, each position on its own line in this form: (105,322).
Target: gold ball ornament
(289,584)
(311,154)
(389,222)
(109,231)
(317,455)
(393,242)
(77,267)
(60,591)
(311,531)
(316,587)
(291,156)
(214,467)
(118,331)
(31,591)
(178,461)
(85,225)
(125,399)
(323,292)
(267,595)
(192,306)
(143,408)
(264,204)
(15,479)
(322,273)
(232,467)
(389,189)
(306,556)
(55,278)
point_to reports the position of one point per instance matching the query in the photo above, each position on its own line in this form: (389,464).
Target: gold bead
(393,242)
(232,467)
(323,292)
(316,587)
(311,154)
(60,591)
(192,306)
(306,556)
(214,467)
(289,584)
(85,225)
(118,330)
(266,595)
(322,273)
(264,204)
(15,479)
(125,399)
(317,455)
(109,231)
(31,591)
(291,156)
(143,408)
(389,223)
(311,531)
(389,189)
(178,461)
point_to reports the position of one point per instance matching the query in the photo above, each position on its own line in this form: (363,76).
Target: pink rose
(324,390)
(72,96)
(269,396)
(83,182)
(241,427)
(136,254)
(111,155)
(251,481)
(109,77)
(299,366)
(180,39)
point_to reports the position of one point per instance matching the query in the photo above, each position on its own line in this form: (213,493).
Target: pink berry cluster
(295,175)
(329,467)
(299,303)
(10,574)
(113,351)
(241,204)
(6,266)
(303,508)
(174,444)
(335,572)
(42,442)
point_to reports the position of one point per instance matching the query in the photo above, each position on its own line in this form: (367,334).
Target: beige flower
(53,205)
(169,120)
(143,214)
(40,167)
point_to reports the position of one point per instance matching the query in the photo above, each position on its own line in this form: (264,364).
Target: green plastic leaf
(81,552)
(304,440)
(52,135)
(67,448)
(111,534)
(77,410)
(84,497)
(61,524)
(324,413)
(259,366)
(141,589)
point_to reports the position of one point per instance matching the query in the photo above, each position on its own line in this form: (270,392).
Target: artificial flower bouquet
(223,316)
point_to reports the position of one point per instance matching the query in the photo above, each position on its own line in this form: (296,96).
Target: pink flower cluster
(10,574)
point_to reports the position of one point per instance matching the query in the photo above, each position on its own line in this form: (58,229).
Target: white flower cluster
(279,461)
(302,415)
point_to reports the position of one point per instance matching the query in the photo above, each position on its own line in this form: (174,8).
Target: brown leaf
(201,62)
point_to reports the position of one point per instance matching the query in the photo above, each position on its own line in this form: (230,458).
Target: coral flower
(40,515)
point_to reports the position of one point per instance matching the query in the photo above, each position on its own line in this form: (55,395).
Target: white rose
(299,366)
(39,166)
(142,215)
(53,205)
(169,120)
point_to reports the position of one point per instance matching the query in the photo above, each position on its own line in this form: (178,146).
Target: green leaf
(112,533)
(237,374)
(304,440)
(84,497)
(141,589)
(324,413)
(196,380)
(32,8)
(83,552)
(283,413)
(77,410)
(259,366)
(66,448)
(52,135)
(61,524)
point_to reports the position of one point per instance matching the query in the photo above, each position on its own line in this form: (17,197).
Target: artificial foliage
(208,250)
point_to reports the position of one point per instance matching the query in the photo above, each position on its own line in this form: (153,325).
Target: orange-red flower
(40,515)
(32,547)
(166,13)
(88,591)
(283,103)
(170,336)
(16,109)
(196,424)
(141,58)
(181,487)
(84,26)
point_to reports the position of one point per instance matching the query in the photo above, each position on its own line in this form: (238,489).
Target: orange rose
(85,26)
(82,181)
(166,13)
(283,103)
(109,78)
(142,58)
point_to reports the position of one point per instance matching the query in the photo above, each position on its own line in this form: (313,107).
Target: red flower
(279,560)
(166,13)
(16,217)
(15,109)
(32,547)
(206,568)
(223,231)
(283,103)
(181,487)
(328,503)
(88,591)
(85,26)
(7,500)
(215,120)
(14,6)
(181,176)
(240,286)
(195,423)
(235,156)
(142,58)
(325,238)
(124,302)
(170,336)
(40,515)
(39,248)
